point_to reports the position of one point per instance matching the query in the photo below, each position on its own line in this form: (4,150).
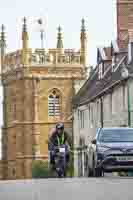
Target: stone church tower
(38,87)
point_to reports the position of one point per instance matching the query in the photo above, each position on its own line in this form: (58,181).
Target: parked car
(111,151)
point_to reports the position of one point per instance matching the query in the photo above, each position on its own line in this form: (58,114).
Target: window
(113,62)
(54,101)
(98,111)
(130,49)
(82,119)
(116,135)
(89,112)
(101,70)
(92,115)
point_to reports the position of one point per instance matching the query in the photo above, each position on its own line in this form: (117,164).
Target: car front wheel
(98,172)
(90,172)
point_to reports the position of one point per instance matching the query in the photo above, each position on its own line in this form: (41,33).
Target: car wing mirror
(93,141)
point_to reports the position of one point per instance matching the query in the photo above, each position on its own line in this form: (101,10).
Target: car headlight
(102,149)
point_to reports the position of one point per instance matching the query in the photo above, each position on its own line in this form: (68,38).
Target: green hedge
(40,169)
(70,170)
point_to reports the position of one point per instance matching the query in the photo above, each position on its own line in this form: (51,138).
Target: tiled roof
(95,87)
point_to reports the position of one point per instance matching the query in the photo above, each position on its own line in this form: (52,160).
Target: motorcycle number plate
(62,150)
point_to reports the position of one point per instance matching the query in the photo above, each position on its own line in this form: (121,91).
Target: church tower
(38,88)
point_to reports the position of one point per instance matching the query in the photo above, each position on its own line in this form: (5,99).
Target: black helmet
(60,126)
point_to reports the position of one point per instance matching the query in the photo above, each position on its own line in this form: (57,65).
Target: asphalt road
(107,188)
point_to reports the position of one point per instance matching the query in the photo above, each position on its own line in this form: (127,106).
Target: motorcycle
(60,153)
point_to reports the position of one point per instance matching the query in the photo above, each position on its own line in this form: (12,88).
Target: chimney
(123,13)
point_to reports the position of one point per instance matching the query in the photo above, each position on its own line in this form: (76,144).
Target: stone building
(38,87)
(106,99)
(103,101)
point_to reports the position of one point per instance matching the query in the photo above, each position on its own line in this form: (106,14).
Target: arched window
(54,103)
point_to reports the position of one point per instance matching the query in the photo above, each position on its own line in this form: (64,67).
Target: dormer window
(113,62)
(100,70)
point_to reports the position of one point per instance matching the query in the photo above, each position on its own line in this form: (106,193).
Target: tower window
(54,101)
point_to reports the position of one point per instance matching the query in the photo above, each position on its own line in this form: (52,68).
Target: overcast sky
(100,16)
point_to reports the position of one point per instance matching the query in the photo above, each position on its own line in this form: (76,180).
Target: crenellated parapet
(52,56)
(40,57)
(27,57)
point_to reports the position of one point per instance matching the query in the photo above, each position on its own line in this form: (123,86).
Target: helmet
(60,126)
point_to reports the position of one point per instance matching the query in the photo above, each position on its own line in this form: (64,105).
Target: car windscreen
(116,135)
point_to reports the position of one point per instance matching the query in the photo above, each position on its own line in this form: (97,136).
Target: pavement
(105,188)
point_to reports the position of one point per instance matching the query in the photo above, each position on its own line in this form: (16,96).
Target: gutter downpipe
(101,102)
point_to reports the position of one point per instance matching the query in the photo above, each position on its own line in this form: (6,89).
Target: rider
(58,138)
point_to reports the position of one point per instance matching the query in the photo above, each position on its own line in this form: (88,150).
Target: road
(107,188)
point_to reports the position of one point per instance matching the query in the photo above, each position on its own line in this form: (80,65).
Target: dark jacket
(53,140)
